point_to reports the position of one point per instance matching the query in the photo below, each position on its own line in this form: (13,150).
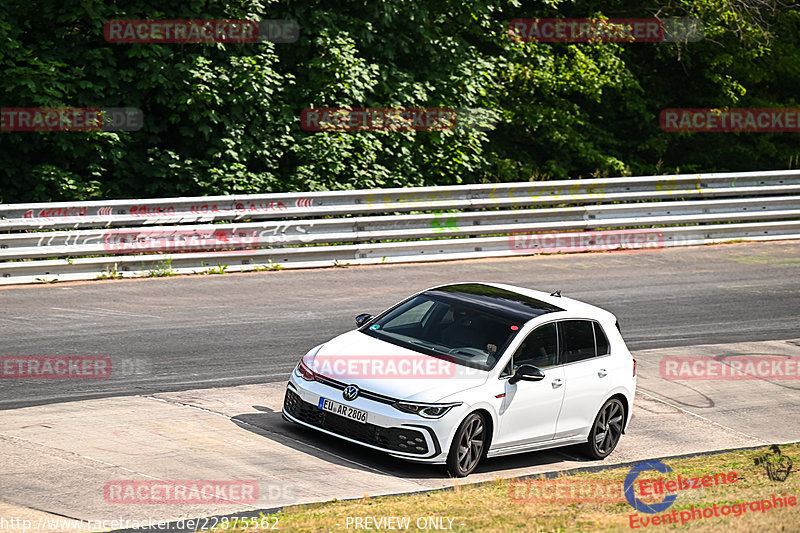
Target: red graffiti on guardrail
(144,211)
(206,209)
(57,212)
(262,208)
(171,210)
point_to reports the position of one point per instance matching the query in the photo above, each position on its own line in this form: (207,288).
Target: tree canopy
(224,118)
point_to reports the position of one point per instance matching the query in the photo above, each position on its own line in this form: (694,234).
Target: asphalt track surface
(182,333)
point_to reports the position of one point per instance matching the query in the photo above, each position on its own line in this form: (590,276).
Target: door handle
(556,383)
(602,373)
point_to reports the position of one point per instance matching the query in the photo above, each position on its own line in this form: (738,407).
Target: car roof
(524,304)
(500,300)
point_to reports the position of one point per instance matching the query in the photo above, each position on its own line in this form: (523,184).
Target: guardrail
(127,238)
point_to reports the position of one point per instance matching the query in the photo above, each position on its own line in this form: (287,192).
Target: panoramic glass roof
(499,300)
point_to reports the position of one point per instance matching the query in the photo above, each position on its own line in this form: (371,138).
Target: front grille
(369,395)
(396,439)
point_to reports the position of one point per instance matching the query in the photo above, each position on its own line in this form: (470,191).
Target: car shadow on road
(270,424)
(535,462)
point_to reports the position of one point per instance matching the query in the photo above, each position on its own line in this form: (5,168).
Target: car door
(529,410)
(586,375)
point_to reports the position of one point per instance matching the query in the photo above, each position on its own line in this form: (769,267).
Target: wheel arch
(488,417)
(625,407)
(489,420)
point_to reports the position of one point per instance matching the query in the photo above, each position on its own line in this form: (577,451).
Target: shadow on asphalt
(271,425)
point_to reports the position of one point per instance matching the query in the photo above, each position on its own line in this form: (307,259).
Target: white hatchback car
(460,372)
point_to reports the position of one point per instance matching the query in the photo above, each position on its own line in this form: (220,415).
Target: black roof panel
(501,301)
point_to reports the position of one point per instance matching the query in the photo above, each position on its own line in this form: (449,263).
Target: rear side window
(578,340)
(600,340)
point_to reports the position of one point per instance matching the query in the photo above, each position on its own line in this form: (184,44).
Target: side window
(600,339)
(539,349)
(577,340)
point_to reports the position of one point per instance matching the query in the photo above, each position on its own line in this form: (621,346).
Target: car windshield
(466,334)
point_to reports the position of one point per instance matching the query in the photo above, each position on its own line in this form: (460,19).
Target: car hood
(382,367)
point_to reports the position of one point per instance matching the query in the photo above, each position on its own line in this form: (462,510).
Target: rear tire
(468,446)
(606,430)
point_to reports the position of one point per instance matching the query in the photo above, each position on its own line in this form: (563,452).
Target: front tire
(606,430)
(468,446)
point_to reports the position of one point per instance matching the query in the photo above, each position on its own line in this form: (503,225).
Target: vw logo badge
(350,393)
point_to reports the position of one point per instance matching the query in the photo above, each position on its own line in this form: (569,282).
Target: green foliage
(112,273)
(214,121)
(270,266)
(219,269)
(162,270)
(224,118)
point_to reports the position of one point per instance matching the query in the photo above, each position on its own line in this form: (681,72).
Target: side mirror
(527,373)
(363,319)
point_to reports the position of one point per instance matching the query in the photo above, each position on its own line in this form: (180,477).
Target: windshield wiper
(428,346)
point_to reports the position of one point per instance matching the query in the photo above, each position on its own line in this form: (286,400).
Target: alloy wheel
(468,446)
(608,427)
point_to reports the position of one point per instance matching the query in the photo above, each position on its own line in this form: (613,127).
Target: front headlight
(303,368)
(304,372)
(425,410)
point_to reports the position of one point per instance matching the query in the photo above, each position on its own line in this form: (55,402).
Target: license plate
(343,410)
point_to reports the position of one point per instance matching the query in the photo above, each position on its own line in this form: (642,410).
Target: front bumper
(399,434)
